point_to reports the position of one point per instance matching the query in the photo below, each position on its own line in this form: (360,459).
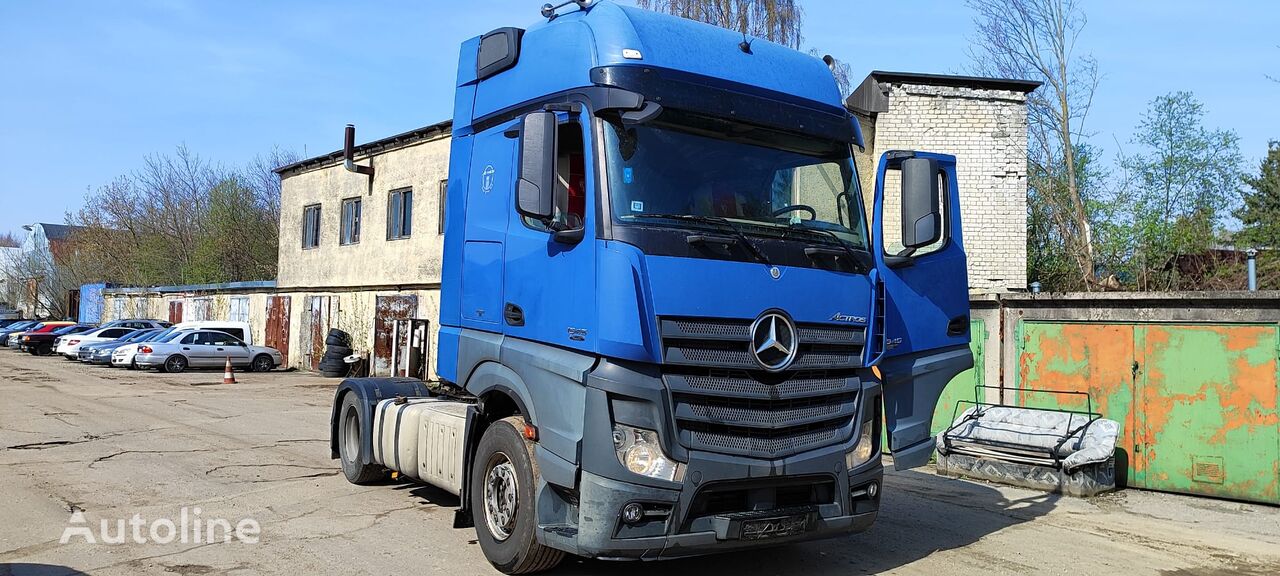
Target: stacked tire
(337,346)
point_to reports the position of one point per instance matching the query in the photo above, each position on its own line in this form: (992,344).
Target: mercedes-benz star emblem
(773,341)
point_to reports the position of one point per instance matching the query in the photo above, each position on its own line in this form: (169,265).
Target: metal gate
(320,313)
(277,332)
(175,311)
(389,309)
(1197,404)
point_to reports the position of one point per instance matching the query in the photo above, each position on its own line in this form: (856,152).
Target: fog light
(632,513)
(873,489)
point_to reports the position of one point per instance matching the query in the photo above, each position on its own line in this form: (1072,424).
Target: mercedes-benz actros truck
(670,325)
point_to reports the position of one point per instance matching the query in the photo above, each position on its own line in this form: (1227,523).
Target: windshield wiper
(860,258)
(746,241)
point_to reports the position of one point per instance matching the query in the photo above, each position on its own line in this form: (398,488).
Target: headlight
(864,449)
(638,451)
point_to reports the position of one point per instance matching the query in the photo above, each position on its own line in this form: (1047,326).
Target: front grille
(724,402)
(725,343)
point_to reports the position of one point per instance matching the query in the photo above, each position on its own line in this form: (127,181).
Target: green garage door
(1197,404)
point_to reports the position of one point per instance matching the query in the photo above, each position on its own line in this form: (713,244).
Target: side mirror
(536,189)
(921,208)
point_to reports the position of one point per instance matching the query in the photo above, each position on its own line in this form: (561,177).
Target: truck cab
(667,327)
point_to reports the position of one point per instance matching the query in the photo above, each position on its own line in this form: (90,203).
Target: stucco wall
(987,132)
(374,260)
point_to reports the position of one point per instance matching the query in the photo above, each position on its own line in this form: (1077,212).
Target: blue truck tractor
(666,328)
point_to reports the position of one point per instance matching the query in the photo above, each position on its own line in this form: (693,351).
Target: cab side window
(571,177)
(892,225)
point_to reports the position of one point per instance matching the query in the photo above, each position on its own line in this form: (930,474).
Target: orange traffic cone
(229,375)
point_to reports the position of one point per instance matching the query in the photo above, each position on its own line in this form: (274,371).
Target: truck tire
(503,478)
(337,337)
(350,428)
(337,351)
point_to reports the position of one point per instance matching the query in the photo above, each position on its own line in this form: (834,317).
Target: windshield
(773,183)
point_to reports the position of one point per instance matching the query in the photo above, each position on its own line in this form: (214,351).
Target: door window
(571,177)
(892,212)
(192,338)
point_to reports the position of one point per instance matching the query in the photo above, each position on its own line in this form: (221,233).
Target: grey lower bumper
(602,535)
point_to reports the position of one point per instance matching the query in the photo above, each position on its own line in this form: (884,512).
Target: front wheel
(503,480)
(262,363)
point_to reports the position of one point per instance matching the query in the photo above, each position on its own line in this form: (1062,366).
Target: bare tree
(9,240)
(774,20)
(1036,39)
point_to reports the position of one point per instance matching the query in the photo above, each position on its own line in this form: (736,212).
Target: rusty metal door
(277,333)
(1208,422)
(317,321)
(1093,358)
(389,309)
(175,311)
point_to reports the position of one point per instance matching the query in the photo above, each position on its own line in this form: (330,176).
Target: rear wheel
(350,429)
(174,364)
(503,478)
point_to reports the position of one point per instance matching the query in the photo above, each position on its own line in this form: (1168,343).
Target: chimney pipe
(349,153)
(1252,254)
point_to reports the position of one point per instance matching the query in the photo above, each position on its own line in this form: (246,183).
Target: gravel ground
(110,443)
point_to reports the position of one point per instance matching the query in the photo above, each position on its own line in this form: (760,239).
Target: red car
(42,332)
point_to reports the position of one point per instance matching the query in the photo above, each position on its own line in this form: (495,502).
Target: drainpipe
(349,154)
(1252,255)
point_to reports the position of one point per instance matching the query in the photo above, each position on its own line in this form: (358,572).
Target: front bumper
(601,534)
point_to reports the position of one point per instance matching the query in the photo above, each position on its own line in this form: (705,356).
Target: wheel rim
(350,435)
(173,364)
(262,364)
(500,487)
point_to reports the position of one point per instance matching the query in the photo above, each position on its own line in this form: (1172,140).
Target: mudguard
(370,391)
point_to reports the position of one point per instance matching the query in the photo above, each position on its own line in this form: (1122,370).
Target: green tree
(1179,187)
(1260,215)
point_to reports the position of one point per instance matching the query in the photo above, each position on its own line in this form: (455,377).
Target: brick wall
(987,132)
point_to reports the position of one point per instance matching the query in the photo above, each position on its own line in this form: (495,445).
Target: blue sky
(90,87)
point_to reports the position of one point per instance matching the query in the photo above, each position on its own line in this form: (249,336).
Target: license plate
(774,527)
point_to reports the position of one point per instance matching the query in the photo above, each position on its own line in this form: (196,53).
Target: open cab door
(922,279)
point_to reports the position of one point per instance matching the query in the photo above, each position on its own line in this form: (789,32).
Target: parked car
(140,323)
(6,322)
(19,326)
(69,346)
(44,343)
(205,349)
(122,356)
(100,352)
(15,339)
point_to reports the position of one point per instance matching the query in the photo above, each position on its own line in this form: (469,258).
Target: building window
(400,214)
(310,226)
(350,221)
(239,309)
(444,189)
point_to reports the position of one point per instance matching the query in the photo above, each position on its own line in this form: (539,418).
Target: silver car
(205,349)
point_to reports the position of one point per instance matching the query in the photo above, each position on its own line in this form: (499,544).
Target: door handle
(220,350)
(513,314)
(958,325)
(185,348)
